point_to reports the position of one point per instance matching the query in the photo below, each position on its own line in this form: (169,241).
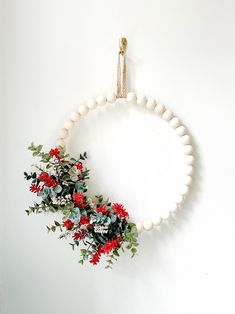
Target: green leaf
(66,177)
(107,267)
(83,252)
(58,189)
(116,253)
(39,148)
(75,215)
(72,245)
(52,209)
(113,218)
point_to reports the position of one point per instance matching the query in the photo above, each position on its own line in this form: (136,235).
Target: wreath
(99,227)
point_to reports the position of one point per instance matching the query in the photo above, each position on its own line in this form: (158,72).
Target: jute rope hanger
(157,108)
(121,69)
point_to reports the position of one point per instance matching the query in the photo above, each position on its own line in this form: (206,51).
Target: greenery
(95,224)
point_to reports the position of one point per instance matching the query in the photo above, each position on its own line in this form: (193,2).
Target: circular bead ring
(166,115)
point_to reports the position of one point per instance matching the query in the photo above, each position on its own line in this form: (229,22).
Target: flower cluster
(101,227)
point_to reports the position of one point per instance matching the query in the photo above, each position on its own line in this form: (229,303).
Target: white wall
(57,53)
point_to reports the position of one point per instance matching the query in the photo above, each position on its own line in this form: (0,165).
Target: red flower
(79,235)
(96,257)
(55,153)
(84,220)
(44,177)
(102,209)
(120,211)
(79,166)
(79,200)
(110,245)
(68,224)
(34,189)
(105,249)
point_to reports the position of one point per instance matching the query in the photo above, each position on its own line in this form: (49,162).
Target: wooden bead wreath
(101,227)
(166,115)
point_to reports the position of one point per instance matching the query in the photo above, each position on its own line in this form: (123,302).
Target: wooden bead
(173,208)
(185,190)
(68,124)
(188,149)
(159,109)
(151,104)
(111,97)
(174,122)
(157,221)
(185,139)
(180,130)
(148,225)
(91,103)
(60,142)
(189,170)
(165,215)
(141,100)
(139,226)
(189,159)
(179,199)
(167,115)
(82,109)
(131,97)
(101,100)
(63,133)
(188,180)
(74,116)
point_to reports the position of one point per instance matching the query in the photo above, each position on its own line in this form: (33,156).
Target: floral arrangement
(102,228)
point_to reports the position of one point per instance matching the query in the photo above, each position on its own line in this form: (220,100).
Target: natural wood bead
(131,97)
(60,142)
(91,103)
(165,215)
(159,109)
(173,208)
(82,109)
(148,225)
(187,180)
(63,133)
(189,159)
(68,124)
(180,130)
(74,116)
(185,139)
(139,226)
(151,104)
(101,100)
(174,122)
(185,190)
(188,149)
(179,199)
(189,170)
(167,115)
(111,97)
(157,221)
(141,100)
